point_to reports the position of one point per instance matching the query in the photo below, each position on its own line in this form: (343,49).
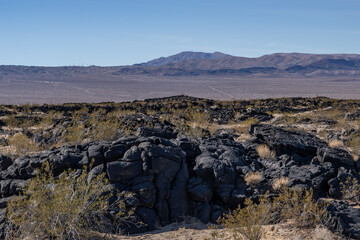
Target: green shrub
(67,207)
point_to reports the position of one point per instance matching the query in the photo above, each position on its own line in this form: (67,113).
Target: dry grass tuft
(322,233)
(22,144)
(264,151)
(336,143)
(243,137)
(280,183)
(243,127)
(253,178)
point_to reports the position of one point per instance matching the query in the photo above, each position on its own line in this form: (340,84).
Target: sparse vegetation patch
(64,207)
(253,178)
(264,151)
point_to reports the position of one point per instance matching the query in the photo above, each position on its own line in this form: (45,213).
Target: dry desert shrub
(293,204)
(280,183)
(253,178)
(22,144)
(197,122)
(105,130)
(64,207)
(350,189)
(264,151)
(299,205)
(192,123)
(48,119)
(12,122)
(243,127)
(336,143)
(354,143)
(247,222)
(75,135)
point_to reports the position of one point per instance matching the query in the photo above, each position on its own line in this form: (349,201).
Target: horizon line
(186,51)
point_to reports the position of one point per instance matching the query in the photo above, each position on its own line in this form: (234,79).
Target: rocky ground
(183,156)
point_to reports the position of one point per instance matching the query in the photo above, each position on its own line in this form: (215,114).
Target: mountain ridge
(200,63)
(184,56)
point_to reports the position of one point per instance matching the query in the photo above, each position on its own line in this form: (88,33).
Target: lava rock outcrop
(172,177)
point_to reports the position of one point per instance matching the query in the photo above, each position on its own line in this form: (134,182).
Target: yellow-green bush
(67,207)
(104,130)
(354,142)
(75,135)
(22,144)
(12,121)
(243,127)
(197,121)
(350,189)
(75,132)
(290,204)
(247,222)
(191,122)
(21,121)
(299,205)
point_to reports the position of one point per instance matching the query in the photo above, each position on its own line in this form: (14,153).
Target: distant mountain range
(184,56)
(199,63)
(273,65)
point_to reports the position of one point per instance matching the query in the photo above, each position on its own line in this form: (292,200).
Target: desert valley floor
(95,88)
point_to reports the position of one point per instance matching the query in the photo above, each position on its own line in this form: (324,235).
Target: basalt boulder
(344,219)
(287,142)
(122,171)
(5,162)
(338,157)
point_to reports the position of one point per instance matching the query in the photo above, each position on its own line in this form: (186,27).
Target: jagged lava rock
(172,177)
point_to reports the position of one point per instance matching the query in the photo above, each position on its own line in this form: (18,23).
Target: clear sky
(120,32)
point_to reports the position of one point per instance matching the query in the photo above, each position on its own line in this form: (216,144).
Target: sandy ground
(50,89)
(195,230)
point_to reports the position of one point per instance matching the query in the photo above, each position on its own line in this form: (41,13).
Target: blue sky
(120,32)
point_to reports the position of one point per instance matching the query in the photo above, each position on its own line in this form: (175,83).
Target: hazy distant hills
(184,56)
(276,65)
(214,64)
(208,75)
